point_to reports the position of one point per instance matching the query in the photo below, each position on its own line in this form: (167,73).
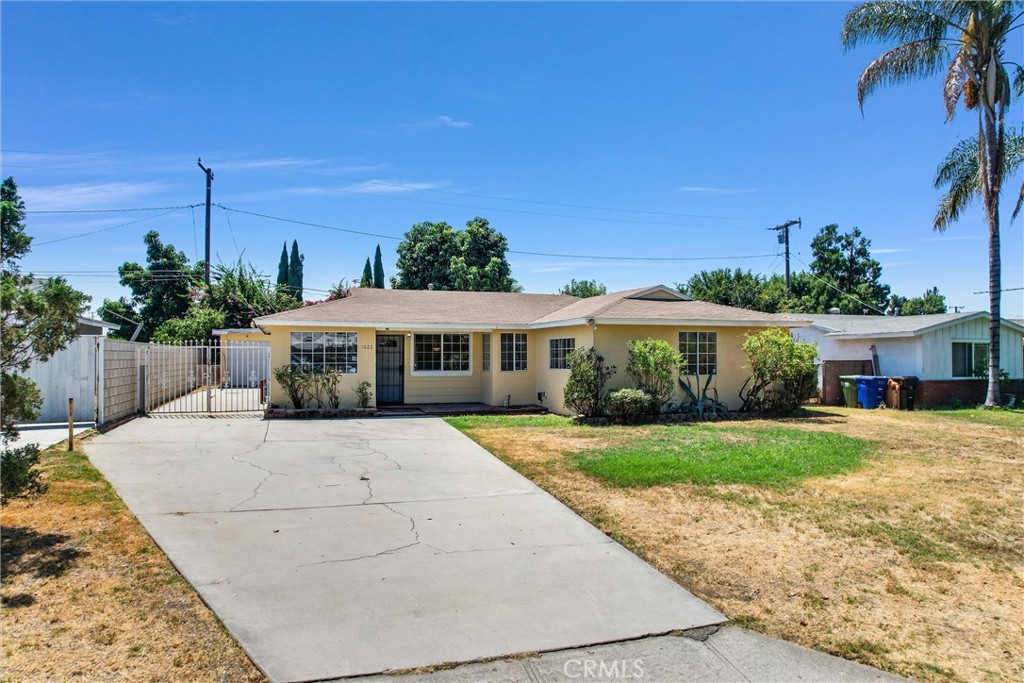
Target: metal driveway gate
(196,377)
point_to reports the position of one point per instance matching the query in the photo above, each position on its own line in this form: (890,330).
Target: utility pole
(784,238)
(209,190)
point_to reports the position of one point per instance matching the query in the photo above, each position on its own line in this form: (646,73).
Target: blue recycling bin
(871,391)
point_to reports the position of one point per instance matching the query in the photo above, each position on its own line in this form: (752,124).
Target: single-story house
(948,352)
(502,348)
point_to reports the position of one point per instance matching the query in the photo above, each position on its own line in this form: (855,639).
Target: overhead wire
(117,210)
(94,232)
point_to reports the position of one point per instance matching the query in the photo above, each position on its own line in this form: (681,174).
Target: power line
(112,227)
(846,294)
(147,208)
(1003,289)
(510,251)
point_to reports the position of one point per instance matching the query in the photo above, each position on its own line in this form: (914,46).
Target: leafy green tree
(378,269)
(653,364)
(282,267)
(367,279)
(783,373)
(743,289)
(197,324)
(584,388)
(162,289)
(967,41)
(434,254)
(584,289)
(242,293)
(928,303)
(295,271)
(842,266)
(39,319)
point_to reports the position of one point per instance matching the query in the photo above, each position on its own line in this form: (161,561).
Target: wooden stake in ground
(71,424)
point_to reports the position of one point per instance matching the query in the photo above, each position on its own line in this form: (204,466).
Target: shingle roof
(867,325)
(418,307)
(401,306)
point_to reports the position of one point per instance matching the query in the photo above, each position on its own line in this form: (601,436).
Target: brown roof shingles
(411,307)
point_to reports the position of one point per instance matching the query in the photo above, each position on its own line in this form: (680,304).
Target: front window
(970,359)
(485,352)
(700,351)
(560,348)
(319,351)
(441,353)
(513,351)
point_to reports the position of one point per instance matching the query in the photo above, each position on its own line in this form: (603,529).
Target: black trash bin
(908,387)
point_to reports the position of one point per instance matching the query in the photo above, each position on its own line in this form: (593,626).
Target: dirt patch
(914,563)
(88,596)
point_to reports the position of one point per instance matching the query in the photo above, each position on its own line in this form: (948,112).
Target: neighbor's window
(319,351)
(513,351)
(700,351)
(560,348)
(970,359)
(440,353)
(485,351)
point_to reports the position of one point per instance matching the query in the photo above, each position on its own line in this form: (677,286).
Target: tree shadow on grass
(26,551)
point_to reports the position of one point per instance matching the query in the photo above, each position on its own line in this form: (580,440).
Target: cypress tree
(282,267)
(295,271)
(367,279)
(378,270)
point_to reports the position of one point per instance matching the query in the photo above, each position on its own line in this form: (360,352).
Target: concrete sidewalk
(350,547)
(712,655)
(45,435)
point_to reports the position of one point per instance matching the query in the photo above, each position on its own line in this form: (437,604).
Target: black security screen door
(390,369)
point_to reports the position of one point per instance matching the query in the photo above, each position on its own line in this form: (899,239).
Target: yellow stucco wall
(552,382)
(365,361)
(611,342)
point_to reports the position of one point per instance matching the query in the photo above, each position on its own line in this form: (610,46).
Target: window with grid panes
(513,351)
(319,351)
(441,353)
(700,351)
(485,352)
(559,349)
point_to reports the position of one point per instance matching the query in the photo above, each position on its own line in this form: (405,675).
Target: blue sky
(645,130)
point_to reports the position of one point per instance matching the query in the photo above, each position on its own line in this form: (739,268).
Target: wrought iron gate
(390,369)
(231,377)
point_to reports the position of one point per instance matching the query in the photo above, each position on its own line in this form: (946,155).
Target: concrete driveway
(339,548)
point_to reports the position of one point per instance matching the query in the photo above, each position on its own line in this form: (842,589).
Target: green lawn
(703,454)
(998,417)
(652,455)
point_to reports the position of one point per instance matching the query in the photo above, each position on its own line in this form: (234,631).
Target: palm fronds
(960,172)
(907,62)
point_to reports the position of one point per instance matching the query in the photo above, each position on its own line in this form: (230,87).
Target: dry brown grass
(88,596)
(912,564)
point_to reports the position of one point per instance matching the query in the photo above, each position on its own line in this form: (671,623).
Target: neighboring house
(495,348)
(89,327)
(947,351)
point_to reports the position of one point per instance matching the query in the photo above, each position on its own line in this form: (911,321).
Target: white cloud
(274,162)
(700,189)
(435,123)
(88,195)
(893,250)
(374,187)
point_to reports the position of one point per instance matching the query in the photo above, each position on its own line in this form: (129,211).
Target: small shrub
(18,476)
(297,383)
(631,405)
(363,393)
(331,380)
(653,364)
(584,390)
(783,373)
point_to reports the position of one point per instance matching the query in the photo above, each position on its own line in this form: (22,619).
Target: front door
(390,369)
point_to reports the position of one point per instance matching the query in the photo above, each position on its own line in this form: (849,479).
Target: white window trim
(566,368)
(687,372)
(514,369)
(972,342)
(355,333)
(439,373)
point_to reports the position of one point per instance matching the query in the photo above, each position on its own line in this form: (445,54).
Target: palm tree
(967,41)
